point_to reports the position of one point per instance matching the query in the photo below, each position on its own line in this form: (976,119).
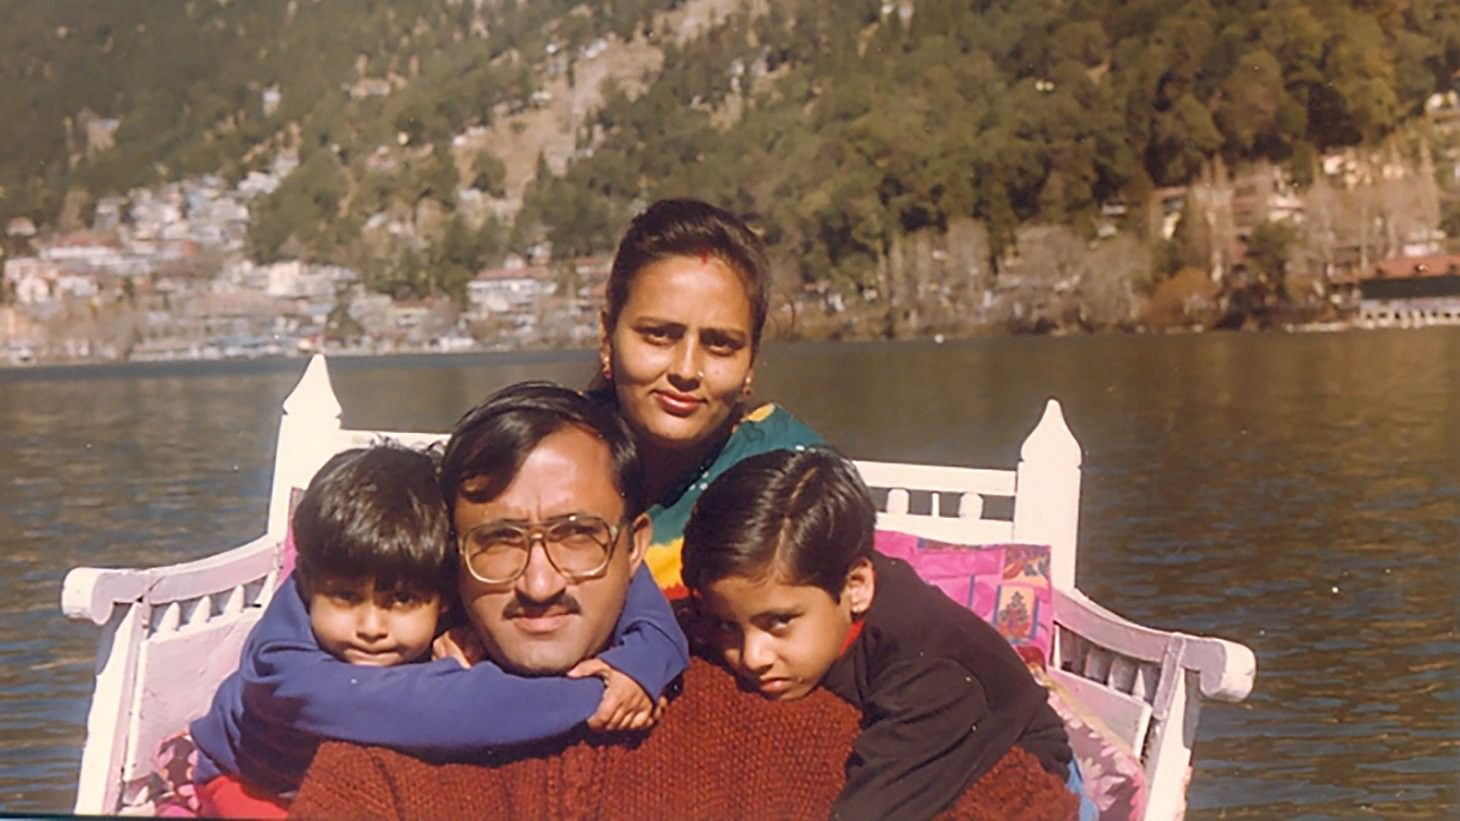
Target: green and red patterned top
(768,427)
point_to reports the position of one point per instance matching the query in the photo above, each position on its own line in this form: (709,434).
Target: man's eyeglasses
(578,546)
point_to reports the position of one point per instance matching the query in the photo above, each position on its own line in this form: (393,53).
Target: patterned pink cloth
(1006,585)
(170,784)
(290,553)
(1114,777)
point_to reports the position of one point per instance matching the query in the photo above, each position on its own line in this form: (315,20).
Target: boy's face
(782,638)
(357,622)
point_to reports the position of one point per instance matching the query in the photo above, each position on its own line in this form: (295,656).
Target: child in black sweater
(778,558)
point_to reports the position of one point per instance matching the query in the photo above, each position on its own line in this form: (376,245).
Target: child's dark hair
(804,515)
(375,513)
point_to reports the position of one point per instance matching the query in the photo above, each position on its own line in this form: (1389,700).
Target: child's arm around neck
(648,644)
(437,706)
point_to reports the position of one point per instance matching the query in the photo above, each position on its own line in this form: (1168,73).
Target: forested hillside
(839,127)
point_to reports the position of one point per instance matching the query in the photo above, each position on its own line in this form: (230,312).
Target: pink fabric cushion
(290,552)
(170,787)
(1007,585)
(1113,775)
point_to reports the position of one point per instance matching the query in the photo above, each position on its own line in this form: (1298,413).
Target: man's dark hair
(375,513)
(801,516)
(493,439)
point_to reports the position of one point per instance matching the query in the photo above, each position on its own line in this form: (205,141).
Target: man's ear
(641,531)
(860,586)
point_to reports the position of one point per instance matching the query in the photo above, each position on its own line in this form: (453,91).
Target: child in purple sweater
(334,655)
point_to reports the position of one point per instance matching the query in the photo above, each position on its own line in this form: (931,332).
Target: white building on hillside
(298,280)
(508,290)
(29,278)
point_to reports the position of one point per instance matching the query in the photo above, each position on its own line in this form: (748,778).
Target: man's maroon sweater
(719,752)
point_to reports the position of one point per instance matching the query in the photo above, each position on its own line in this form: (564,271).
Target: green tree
(437,177)
(305,207)
(340,325)
(489,174)
(1267,250)
(1358,102)
(1183,138)
(1247,110)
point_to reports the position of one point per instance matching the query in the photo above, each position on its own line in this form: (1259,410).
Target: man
(537,463)
(538,453)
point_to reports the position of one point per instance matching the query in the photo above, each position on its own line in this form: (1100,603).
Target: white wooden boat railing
(171,634)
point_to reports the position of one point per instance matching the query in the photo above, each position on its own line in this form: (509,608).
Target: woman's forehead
(710,292)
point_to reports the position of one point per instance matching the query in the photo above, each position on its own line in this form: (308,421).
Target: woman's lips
(676,404)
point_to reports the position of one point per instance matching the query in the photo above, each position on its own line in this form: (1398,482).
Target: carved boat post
(1047,507)
(308,435)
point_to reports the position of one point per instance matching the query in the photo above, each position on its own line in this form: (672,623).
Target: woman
(687,301)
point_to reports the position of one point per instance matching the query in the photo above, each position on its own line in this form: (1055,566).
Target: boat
(169,635)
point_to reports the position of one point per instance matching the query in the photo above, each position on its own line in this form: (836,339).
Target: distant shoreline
(265,364)
(349,357)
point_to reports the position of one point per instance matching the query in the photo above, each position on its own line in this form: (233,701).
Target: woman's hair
(375,513)
(803,515)
(690,228)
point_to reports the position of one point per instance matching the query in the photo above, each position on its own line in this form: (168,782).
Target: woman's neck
(667,470)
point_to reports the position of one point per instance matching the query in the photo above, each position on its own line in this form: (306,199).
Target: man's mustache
(564,603)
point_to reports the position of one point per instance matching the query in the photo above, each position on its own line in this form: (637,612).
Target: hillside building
(1409,291)
(509,290)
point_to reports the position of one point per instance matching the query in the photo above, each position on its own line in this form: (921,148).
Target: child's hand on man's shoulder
(625,706)
(461,643)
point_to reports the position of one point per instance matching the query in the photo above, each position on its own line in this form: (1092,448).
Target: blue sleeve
(437,706)
(649,646)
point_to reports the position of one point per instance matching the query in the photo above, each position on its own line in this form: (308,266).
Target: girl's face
(782,638)
(680,353)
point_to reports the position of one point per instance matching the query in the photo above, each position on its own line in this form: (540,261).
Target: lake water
(1297,493)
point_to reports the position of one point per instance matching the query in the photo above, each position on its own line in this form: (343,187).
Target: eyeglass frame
(536,532)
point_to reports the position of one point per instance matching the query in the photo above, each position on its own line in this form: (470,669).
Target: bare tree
(1118,271)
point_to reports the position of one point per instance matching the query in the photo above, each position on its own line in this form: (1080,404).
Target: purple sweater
(288,694)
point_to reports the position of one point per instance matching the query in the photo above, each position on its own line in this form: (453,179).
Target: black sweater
(943,697)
